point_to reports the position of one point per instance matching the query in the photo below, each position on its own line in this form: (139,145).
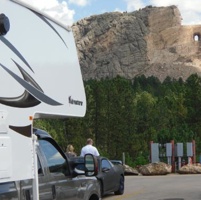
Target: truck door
(45,192)
(108,173)
(60,182)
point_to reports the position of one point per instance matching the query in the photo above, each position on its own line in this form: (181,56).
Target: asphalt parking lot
(168,187)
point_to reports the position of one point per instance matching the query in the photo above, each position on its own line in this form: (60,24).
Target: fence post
(123,156)
(173,158)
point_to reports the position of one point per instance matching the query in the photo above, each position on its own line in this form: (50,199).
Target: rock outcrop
(130,170)
(150,41)
(158,168)
(190,169)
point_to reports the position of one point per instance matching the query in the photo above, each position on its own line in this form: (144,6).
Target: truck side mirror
(91,165)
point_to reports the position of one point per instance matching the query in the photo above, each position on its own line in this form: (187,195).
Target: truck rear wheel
(120,191)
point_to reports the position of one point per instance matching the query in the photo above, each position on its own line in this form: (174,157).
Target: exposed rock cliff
(150,41)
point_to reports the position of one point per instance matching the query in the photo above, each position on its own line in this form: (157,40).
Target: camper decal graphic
(10,46)
(23,130)
(48,23)
(33,94)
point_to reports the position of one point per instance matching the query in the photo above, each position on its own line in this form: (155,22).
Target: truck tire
(120,191)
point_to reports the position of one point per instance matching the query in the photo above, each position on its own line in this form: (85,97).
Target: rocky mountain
(150,41)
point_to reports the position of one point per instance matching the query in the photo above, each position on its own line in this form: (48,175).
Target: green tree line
(125,115)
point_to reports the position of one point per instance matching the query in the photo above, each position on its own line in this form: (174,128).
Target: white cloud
(55,9)
(79,2)
(190,10)
(118,10)
(134,5)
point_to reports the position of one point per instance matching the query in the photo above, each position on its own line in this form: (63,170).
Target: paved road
(169,187)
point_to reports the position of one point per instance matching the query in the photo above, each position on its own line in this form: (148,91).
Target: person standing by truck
(70,151)
(89,148)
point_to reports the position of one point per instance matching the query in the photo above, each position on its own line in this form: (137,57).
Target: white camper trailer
(40,77)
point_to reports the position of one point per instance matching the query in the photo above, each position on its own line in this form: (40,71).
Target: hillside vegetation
(125,115)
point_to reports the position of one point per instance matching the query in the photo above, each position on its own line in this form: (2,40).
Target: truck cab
(58,180)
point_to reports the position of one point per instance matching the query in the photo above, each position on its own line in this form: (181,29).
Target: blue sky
(70,11)
(97,7)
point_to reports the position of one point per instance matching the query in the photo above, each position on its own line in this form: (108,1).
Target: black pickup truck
(58,180)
